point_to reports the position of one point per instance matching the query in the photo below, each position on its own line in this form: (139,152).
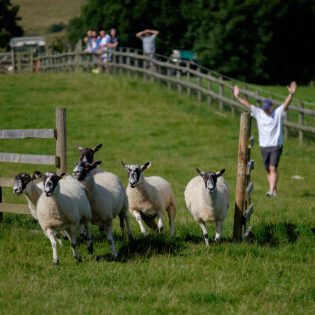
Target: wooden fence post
(13,60)
(301,121)
(61,143)
(241,175)
(221,92)
(1,214)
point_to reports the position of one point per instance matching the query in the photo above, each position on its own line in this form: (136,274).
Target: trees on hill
(253,40)
(8,22)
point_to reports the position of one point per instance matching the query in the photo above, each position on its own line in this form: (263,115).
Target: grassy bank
(138,122)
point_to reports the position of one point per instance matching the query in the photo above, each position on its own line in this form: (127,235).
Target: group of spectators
(101,45)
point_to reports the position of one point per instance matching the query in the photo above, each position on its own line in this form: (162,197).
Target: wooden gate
(59,159)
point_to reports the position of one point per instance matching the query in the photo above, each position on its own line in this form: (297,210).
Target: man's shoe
(271,194)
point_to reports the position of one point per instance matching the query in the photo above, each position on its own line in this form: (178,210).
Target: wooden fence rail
(59,159)
(195,81)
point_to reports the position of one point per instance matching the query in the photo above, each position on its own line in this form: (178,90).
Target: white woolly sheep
(150,197)
(64,211)
(207,198)
(107,197)
(23,183)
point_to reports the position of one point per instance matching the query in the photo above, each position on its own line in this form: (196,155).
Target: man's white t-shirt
(269,127)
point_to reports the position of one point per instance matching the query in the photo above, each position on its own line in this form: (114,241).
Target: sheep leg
(110,240)
(160,223)
(126,218)
(74,244)
(204,232)
(171,218)
(137,215)
(218,230)
(50,234)
(122,224)
(89,237)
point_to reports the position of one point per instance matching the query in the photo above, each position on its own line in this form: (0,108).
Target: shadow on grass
(146,247)
(273,234)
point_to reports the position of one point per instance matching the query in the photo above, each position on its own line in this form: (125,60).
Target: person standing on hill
(270,125)
(148,42)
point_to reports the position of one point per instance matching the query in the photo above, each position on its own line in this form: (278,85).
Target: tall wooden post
(1,214)
(61,143)
(301,121)
(241,181)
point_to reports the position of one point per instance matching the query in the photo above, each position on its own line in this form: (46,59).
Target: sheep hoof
(90,249)
(78,259)
(217,240)
(115,256)
(55,262)
(130,237)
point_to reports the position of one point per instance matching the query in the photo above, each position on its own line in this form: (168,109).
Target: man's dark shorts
(271,155)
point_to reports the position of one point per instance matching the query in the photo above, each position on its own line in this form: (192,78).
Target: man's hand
(292,87)
(236,91)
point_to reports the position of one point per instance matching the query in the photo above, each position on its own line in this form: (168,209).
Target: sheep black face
(210,179)
(50,183)
(20,182)
(135,172)
(87,154)
(82,169)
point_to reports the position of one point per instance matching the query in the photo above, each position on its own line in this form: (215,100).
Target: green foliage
(252,40)
(8,23)
(136,122)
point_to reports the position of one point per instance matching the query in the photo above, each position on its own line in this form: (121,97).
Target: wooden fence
(195,80)
(59,159)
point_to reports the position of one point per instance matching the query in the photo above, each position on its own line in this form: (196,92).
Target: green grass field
(137,122)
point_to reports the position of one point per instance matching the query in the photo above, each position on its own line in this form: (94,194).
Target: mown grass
(137,122)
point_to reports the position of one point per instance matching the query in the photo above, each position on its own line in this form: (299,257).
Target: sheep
(107,197)
(150,197)
(87,154)
(63,206)
(23,183)
(207,198)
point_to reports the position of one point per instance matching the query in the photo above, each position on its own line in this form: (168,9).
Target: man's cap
(266,104)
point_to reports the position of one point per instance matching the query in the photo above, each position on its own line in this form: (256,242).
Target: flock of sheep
(67,205)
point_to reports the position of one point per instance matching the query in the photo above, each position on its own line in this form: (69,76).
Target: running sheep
(207,198)
(150,197)
(63,206)
(23,183)
(107,197)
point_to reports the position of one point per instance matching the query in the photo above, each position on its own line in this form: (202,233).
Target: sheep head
(210,178)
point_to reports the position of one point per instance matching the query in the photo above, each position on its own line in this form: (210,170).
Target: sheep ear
(79,148)
(220,173)
(124,165)
(62,175)
(145,166)
(95,164)
(96,148)
(200,172)
(37,174)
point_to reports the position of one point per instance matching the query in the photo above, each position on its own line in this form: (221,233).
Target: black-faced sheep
(64,211)
(149,197)
(107,197)
(207,198)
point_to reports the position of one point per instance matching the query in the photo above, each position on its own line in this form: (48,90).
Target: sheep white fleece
(65,210)
(32,193)
(153,196)
(108,199)
(205,206)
